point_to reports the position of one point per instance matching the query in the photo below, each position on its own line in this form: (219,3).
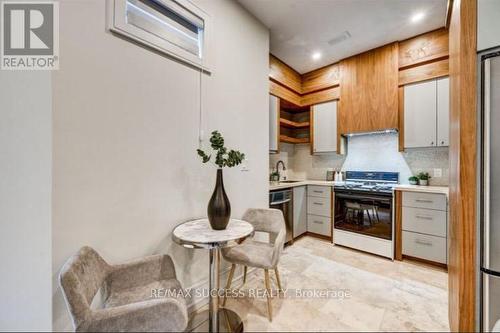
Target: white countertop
(402,187)
(426,189)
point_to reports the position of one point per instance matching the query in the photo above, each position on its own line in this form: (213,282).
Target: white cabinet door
(443,112)
(488,24)
(299,211)
(420,114)
(274,129)
(325,127)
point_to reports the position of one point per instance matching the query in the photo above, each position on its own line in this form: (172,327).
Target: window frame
(117,22)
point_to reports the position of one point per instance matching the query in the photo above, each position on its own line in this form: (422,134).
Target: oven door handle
(279,202)
(361,197)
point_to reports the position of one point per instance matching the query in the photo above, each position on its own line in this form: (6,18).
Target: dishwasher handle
(279,202)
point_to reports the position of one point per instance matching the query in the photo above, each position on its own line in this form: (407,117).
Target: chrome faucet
(278,169)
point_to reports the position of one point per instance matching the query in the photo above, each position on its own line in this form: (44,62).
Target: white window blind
(176,27)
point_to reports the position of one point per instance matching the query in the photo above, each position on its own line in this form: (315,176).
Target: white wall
(25,200)
(126,130)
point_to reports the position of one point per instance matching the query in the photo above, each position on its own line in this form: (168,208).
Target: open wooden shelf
(293,124)
(289,139)
(290,107)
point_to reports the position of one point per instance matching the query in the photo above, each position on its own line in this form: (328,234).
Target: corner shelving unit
(294,123)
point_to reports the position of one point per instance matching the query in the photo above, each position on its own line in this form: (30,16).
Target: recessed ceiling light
(417,17)
(316,55)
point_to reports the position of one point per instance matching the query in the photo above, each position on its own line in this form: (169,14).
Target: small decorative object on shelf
(424,178)
(413,180)
(219,207)
(275,176)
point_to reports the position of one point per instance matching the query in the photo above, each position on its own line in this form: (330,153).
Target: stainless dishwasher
(282,200)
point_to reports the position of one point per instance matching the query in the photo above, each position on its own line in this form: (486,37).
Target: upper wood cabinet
(324,127)
(369,91)
(274,123)
(426,114)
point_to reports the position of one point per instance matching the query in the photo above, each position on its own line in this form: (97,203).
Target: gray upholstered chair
(134,295)
(254,253)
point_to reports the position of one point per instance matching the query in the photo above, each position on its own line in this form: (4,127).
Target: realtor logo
(30,35)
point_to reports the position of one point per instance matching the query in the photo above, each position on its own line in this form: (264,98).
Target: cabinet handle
(442,142)
(422,217)
(318,203)
(421,242)
(432,143)
(318,191)
(318,222)
(424,200)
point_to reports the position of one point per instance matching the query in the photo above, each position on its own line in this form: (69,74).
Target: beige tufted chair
(135,297)
(253,253)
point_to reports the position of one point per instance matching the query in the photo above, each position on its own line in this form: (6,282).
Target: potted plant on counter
(219,207)
(424,178)
(413,180)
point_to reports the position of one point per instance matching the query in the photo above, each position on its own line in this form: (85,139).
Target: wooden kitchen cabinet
(319,210)
(299,211)
(420,109)
(425,226)
(324,127)
(274,123)
(369,91)
(426,114)
(421,226)
(443,112)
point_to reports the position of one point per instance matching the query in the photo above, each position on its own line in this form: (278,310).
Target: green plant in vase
(413,180)
(424,178)
(219,207)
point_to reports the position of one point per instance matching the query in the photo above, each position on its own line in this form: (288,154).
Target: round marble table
(199,234)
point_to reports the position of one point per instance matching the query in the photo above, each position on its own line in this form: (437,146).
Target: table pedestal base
(228,322)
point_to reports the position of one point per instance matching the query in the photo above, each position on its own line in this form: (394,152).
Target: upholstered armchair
(134,295)
(254,253)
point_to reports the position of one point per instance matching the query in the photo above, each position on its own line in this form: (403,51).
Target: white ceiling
(301,27)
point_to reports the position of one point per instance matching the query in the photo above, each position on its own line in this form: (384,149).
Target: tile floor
(384,295)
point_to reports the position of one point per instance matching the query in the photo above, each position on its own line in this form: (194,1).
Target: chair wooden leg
(278,279)
(268,288)
(229,280)
(244,274)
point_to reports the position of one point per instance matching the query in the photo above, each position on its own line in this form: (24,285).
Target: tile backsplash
(376,152)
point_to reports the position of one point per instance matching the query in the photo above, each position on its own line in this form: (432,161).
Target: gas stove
(369,181)
(363,212)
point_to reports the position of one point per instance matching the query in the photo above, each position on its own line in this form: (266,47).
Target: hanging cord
(200,129)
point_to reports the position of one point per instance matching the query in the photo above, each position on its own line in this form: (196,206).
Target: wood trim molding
(284,74)
(398,227)
(320,79)
(321,96)
(401,118)
(449,8)
(424,72)
(311,129)
(284,93)
(463,156)
(427,262)
(424,48)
